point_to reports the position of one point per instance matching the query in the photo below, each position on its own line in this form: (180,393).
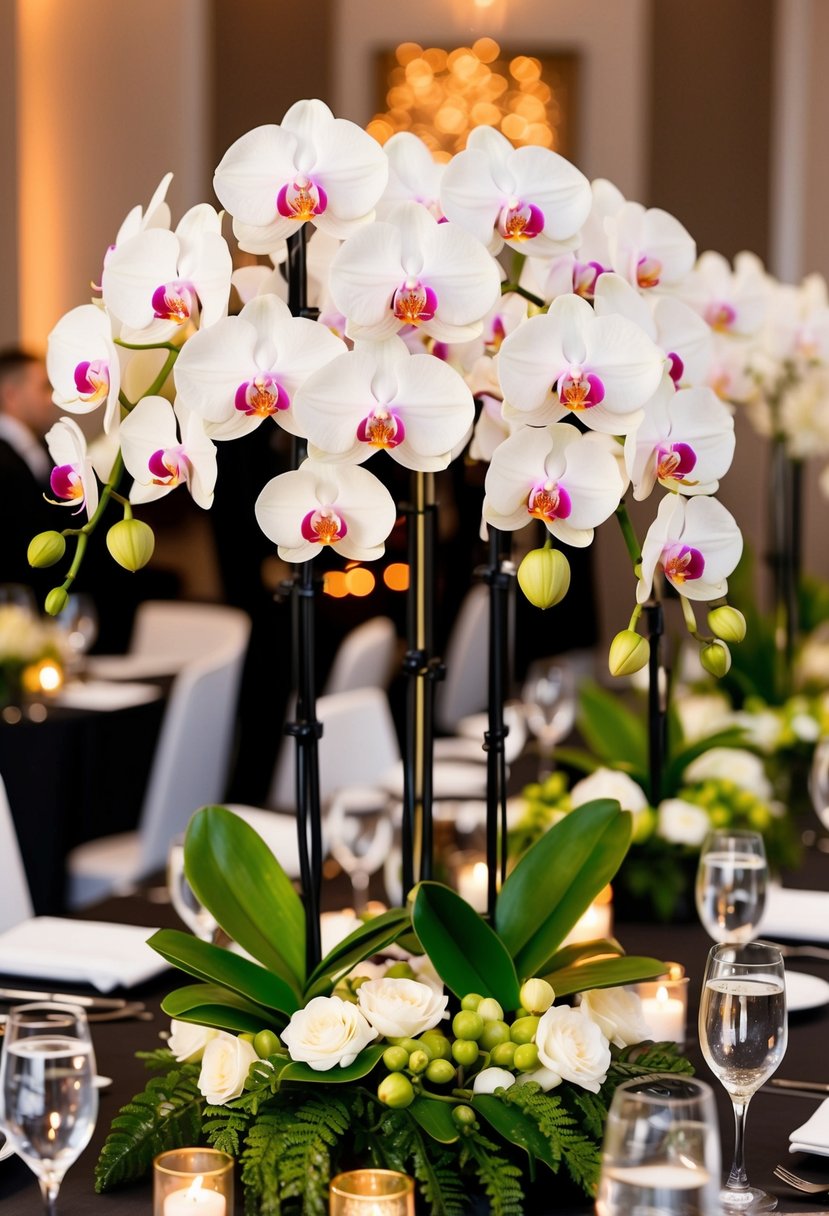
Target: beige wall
(8,194)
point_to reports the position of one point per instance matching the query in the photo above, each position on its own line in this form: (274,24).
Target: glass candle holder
(665,1004)
(193,1182)
(372,1193)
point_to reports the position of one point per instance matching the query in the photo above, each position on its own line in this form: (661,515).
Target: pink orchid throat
(413,302)
(262,396)
(92,379)
(682,563)
(382,428)
(168,466)
(675,460)
(301,199)
(66,483)
(175,301)
(520,221)
(323,526)
(549,501)
(578,390)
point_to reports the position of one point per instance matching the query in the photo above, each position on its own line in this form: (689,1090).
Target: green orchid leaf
(211,1005)
(362,1066)
(604,973)
(568,956)
(731,736)
(557,879)
(465,951)
(370,938)
(215,965)
(238,879)
(435,1118)
(575,758)
(610,730)
(516,1127)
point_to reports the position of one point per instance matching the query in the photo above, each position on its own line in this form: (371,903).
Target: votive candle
(372,1193)
(193,1182)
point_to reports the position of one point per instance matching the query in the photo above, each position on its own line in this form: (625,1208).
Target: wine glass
(548,695)
(731,884)
(742,1031)
(48,1098)
(819,781)
(79,621)
(184,899)
(661,1150)
(359,835)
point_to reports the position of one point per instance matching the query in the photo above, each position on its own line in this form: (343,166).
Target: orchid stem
(506,288)
(630,538)
(89,527)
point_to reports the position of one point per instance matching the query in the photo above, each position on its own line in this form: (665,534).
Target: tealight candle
(472,881)
(372,1193)
(596,922)
(664,1007)
(193,1182)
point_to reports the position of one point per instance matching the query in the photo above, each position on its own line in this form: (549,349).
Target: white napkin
(796,914)
(100,694)
(132,666)
(449,780)
(100,953)
(813,1135)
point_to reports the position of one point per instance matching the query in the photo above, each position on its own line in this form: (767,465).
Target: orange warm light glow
(359,581)
(441,95)
(396,576)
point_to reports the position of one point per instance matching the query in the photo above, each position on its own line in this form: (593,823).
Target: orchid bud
(544,577)
(131,543)
(536,996)
(56,601)
(715,658)
(628,653)
(45,549)
(727,623)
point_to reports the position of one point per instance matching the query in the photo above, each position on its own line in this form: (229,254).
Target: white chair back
(465,688)
(193,753)
(359,745)
(15,899)
(365,657)
(174,632)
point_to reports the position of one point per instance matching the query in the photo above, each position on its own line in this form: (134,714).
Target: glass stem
(738,1179)
(49,1190)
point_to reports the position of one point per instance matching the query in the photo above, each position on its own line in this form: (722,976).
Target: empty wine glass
(661,1151)
(359,834)
(184,899)
(79,622)
(732,875)
(548,695)
(742,1032)
(48,1098)
(819,781)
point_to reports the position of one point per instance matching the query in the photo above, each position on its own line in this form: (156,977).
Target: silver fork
(799,1184)
(801,951)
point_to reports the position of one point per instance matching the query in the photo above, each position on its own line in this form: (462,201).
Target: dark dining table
(772,1115)
(72,775)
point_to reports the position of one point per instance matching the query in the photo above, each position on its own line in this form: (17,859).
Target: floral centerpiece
(710,780)
(27,643)
(471,1087)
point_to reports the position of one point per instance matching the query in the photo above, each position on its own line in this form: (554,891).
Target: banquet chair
(167,634)
(364,658)
(15,900)
(465,688)
(189,770)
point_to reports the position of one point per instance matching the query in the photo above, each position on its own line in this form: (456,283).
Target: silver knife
(16,995)
(809,1087)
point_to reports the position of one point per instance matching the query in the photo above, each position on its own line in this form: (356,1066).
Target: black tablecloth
(771,1116)
(72,777)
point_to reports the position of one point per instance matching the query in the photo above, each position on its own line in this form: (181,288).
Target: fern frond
(499,1177)
(224,1128)
(160,1058)
(404,1147)
(166,1115)
(560,1119)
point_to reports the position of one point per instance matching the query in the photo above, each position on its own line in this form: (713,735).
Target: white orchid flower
(378,396)
(158,459)
(603,369)
(82,364)
(247,368)
(529,198)
(733,302)
(697,544)
(311,167)
(649,247)
(414,174)
(155,215)
(408,269)
(679,331)
(797,321)
(685,442)
(72,480)
(567,480)
(343,506)
(158,281)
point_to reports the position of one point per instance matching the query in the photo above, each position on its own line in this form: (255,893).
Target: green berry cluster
(728,804)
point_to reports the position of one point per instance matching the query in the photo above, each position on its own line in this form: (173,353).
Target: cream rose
(609,783)
(224,1068)
(399,1008)
(682,822)
(732,764)
(572,1048)
(187,1040)
(327,1032)
(618,1014)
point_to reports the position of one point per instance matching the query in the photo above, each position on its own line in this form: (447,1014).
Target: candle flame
(194,1190)
(662,994)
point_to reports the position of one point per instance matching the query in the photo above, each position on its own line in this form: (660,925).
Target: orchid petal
(82,363)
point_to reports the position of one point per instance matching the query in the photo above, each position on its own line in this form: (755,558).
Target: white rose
(762,727)
(224,1068)
(618,1014)
(399,1008)
(682,822)
(425,973)
(490,1079)
(187,1040)
(609,783)
(327,1032)
(701,714)
(732,764)
(571,1047)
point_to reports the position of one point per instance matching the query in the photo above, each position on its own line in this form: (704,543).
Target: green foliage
(215,965)
(288,1150)
(611,732)
(566,1139)
(166,1115)
(604,973)
(370,938)
(499,1177)
(401,1145)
